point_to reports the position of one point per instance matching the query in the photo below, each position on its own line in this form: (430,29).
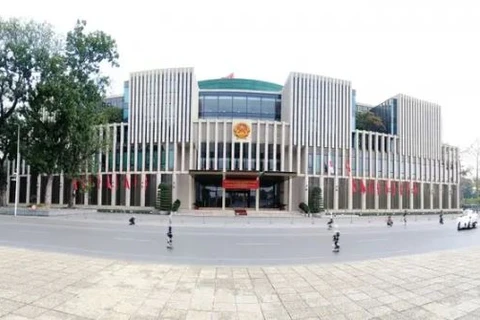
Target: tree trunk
(48,191)
(71,196)
(3,185)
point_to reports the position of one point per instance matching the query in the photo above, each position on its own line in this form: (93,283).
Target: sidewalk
(38,285)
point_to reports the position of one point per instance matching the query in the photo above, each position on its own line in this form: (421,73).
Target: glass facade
(208,193)
(239,105)
(387,111)
(240,157)
(126,100)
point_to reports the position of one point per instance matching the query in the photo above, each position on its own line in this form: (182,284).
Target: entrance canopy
(264,175)
(241,180)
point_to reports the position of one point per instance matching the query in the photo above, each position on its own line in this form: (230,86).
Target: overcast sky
(427,49)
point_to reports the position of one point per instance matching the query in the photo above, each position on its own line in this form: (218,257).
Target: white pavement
(39,285)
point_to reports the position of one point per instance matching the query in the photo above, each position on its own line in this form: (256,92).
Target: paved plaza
(40,285)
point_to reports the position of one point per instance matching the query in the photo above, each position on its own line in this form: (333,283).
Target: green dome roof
(239,84)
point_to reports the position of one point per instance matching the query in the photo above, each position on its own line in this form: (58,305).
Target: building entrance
(209,192)
(240,199)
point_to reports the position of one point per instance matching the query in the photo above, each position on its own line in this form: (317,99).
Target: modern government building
(240,143)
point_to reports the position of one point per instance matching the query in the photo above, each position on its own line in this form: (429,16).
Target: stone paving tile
(430,286)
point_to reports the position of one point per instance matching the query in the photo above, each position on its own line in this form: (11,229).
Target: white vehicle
(467,220)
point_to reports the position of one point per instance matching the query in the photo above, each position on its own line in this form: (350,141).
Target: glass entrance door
(240,199)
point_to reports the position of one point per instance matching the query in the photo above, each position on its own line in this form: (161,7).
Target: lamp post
(17,175)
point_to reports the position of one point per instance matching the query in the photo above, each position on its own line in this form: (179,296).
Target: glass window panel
(210,104)
(268,106)
(224,105)
(254,105)
(240,105)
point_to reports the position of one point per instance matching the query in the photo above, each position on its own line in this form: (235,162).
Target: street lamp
(17,176)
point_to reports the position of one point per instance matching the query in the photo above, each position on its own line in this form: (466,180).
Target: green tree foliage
(111,114)
(315,200)
(24,48)
(66,106)
(164,197)
(368,121)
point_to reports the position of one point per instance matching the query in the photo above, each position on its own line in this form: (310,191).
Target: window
(268,106)
(224,106)
(211,104)
(254,106)
(240,106)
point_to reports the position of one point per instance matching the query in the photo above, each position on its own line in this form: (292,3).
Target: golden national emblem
(241,130)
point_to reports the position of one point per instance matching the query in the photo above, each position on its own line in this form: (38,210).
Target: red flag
(394,187)
(354,186)
(99,181)
(83,184)
(415,189)
(371,187)
(347,165)
(109,183)
(363,189)
(75,184)
(400,188)
(387,188)
(127,183)
(379,187)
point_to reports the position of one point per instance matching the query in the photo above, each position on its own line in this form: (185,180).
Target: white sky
(427,49)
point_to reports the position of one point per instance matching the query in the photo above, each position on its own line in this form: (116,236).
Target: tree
(111,114)
(474,152)
(164,197)
(24,46)
(368,121)
(66,107)
(315,200)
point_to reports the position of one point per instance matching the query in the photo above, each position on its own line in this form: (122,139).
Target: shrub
(315,200)
(176,205)
(304,207)
(164,197)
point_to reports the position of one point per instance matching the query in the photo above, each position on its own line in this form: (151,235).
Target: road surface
(234,243)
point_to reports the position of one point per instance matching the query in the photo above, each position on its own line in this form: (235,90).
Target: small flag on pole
(127,183)
(230,76)
(109,182)
(363,189)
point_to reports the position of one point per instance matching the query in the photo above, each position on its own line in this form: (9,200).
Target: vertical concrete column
(289,195)
(431,196)
(350,193)
(28,188)
(422,190)
(99,188)
(389,194)
(440,196)
(335,193)
(142,187)
(39,188)
(364,195)
(62,183)
(449,196)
